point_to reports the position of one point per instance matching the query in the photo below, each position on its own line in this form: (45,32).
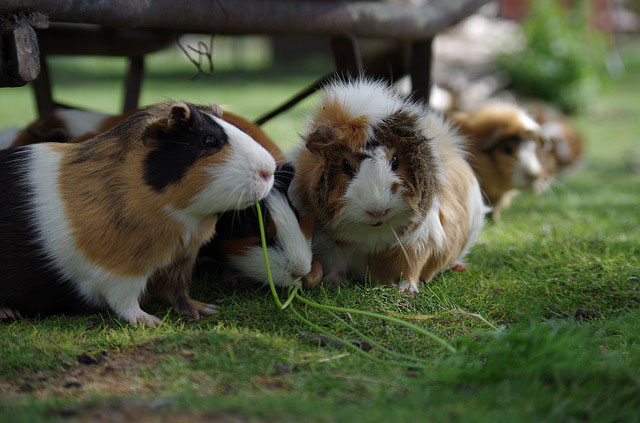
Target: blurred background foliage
(564,59)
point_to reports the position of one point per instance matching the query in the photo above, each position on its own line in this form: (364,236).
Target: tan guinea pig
(388,186)
(129,207)
(508,152)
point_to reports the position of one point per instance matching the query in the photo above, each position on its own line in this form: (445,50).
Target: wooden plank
(93,40)
(346,56)
(20,58)
(360,19)
(420,70)
(133,83)
(42,89)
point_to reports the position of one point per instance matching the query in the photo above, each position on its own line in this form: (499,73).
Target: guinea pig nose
(266,175)
(377,214)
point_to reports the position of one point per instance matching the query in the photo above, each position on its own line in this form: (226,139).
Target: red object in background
(514,9)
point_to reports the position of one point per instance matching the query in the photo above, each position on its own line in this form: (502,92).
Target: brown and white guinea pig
(375,165)
(508,152)
(566,141)
(74,125)
(66,124)
(289,242)
(237,241)
(86,226)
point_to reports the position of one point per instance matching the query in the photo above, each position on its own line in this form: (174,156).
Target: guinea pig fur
(566,141)
(237,240)
(65,124)
(375,165)
(86,226)
(508,152)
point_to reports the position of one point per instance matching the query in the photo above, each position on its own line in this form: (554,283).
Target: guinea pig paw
(205,308)
(9,314)
(459,267)
(314,277)
(409,287)
(145,319)
(335,277)
(192,308)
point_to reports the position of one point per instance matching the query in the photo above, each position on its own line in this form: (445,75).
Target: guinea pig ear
(320,138)
(180,112)
(217,110)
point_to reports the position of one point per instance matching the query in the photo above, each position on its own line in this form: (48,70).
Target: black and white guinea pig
(237,241)
(88,226)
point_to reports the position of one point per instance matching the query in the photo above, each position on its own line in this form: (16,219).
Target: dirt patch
(104,373)
(143,412)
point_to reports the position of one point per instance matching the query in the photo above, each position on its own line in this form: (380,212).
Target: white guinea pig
(237,240)
(87,226)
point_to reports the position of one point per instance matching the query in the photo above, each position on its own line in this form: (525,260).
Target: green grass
(577,247)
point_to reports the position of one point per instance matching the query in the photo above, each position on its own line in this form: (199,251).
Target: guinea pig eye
(212,142)
(507,149)
(395,162)
(346,168)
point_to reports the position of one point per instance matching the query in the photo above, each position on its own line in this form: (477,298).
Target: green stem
(263,239)
(330,309)
(376,344)
(400,322)
(349,345)
(292,295)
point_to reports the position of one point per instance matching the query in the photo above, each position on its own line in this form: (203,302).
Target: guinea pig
(66,124)
(87,226)
(289,251)
(74,125)
(237,241)
(566,141)
(508,152)
(386,181)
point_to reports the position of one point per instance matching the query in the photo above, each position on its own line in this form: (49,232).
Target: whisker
(406,256)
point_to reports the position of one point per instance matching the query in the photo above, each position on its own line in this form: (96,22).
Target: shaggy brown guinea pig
(508,152)
(87,226)
(388,186)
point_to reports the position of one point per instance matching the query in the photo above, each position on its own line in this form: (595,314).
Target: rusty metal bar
(360,19)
